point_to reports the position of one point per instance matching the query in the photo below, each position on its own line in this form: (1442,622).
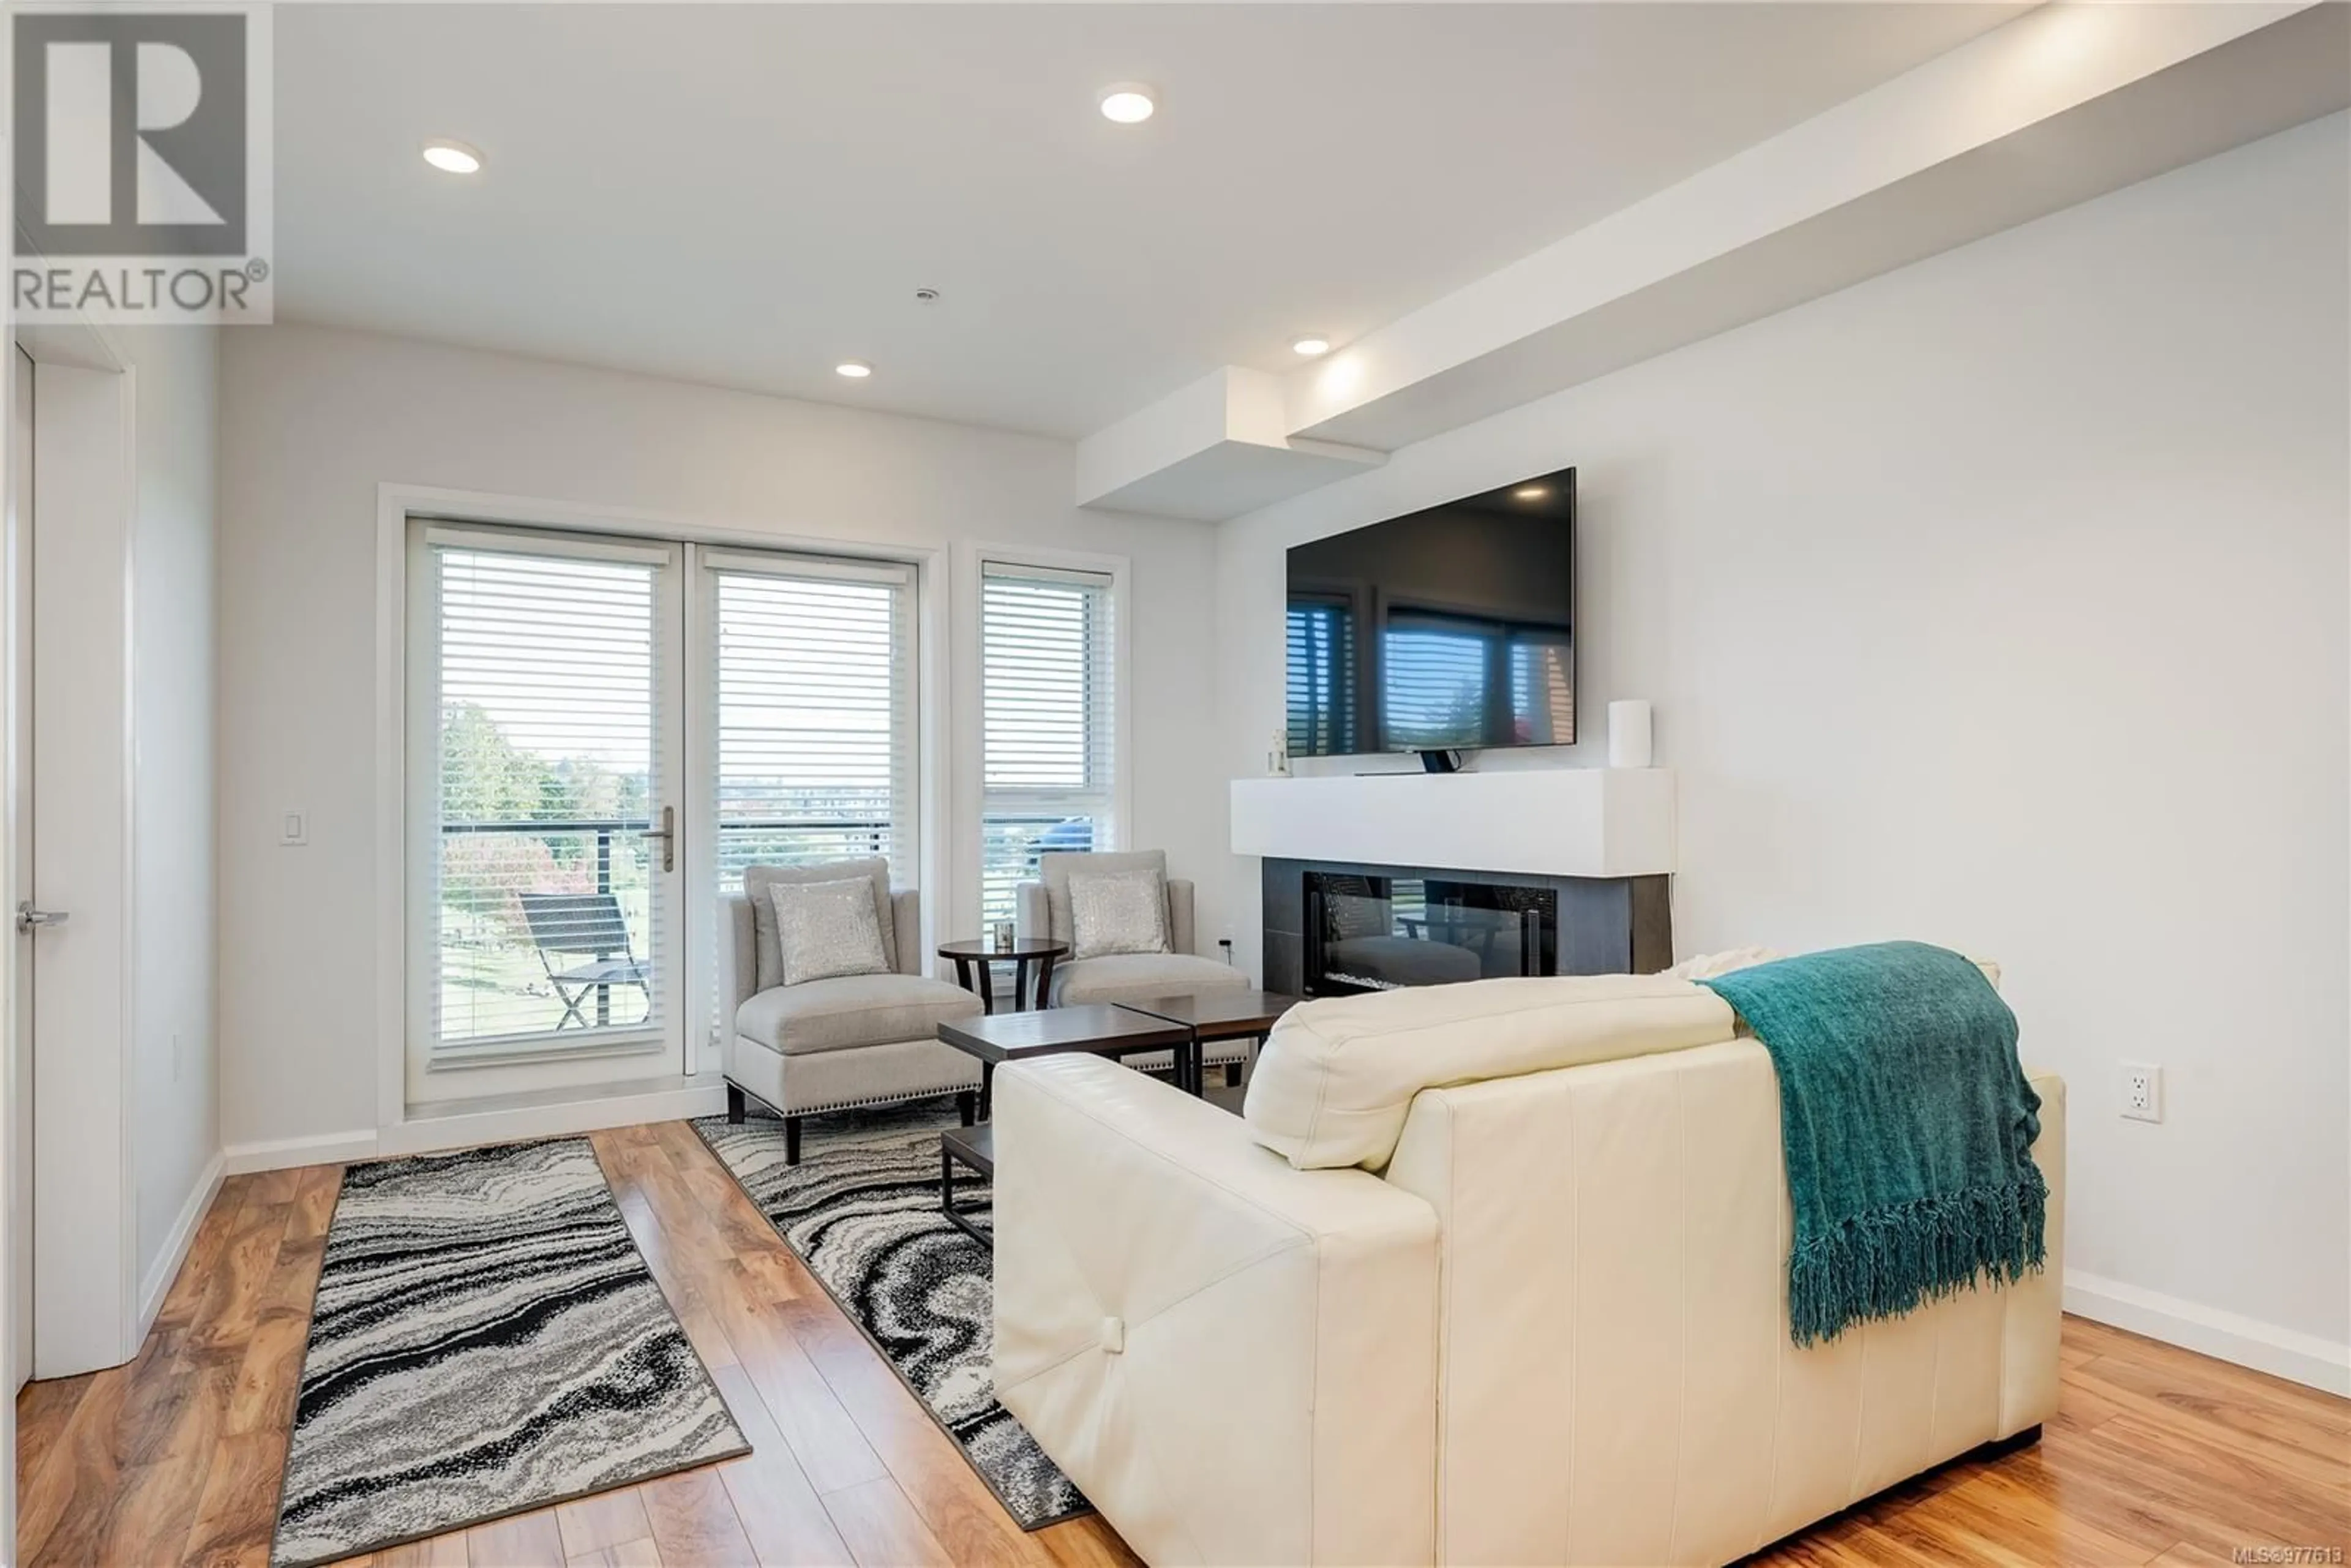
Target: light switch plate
(294,829)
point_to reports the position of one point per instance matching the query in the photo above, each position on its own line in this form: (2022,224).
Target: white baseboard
(2247,1342)
(284,1154)
(460,1129)
(166,1267)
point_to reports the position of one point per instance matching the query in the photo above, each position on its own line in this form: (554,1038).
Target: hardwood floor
(2156,1456)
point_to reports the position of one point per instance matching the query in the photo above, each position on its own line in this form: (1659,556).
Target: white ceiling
(744,195)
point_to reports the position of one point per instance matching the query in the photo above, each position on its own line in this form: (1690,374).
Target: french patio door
(602,733)
(546,754)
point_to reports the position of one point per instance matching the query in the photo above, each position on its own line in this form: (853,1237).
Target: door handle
(31,919)
(667,834)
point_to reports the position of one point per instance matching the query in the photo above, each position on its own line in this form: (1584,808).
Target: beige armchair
(1042,909)
(831,1044)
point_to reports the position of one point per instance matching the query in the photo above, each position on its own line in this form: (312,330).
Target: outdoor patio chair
(564,926)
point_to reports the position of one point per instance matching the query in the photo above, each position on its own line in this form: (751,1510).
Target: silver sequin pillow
(1117,912)
(828,928)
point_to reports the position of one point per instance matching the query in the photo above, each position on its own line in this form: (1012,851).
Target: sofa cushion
(1337,1076)
(1135,976)
(757,879)
(1053,870)
(844,1013)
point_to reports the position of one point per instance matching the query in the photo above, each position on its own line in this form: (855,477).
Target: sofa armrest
(1032,917)
(906,929)
(1179,914)
(1163,1283)
(738,959)
(2033,1309)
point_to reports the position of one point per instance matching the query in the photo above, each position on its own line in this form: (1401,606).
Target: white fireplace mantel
(1553,821)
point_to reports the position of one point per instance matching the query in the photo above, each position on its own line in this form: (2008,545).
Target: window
(814,733)
(542,770)
(604,733)
(1049,772)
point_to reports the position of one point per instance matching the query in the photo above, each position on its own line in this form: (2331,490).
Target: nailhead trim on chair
(1210,1060)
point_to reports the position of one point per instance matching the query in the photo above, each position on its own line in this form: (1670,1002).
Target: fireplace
(1367,933)
(1335,929)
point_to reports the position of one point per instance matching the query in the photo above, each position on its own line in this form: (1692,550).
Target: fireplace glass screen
(1378,933)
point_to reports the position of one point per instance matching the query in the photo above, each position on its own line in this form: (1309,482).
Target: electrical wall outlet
(2142,1091)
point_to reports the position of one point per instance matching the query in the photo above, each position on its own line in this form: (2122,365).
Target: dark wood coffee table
(975,1147)
(1214,1016)
(986,956)
(1103,1031)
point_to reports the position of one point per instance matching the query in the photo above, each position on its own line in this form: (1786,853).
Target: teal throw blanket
(1907,1124)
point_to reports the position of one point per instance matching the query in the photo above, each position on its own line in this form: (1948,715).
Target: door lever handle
(667,834)
(31,919)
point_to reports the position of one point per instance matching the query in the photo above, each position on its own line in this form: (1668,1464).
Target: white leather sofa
(1528,1308)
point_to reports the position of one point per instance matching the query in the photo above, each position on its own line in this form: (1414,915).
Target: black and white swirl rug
(485,1340)
(862,1213)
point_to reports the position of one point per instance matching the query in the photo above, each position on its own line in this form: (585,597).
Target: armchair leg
(968,1106)
(791,1140)
(735,1104)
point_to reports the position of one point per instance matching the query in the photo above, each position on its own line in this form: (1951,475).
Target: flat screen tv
(1447,629)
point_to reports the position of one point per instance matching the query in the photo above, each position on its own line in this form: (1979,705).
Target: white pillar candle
(1629,732)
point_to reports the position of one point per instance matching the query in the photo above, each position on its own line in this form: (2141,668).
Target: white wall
(2000,601)
(313,420)
(175,1106)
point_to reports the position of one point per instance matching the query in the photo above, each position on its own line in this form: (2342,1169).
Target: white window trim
(936,584)
(969,781)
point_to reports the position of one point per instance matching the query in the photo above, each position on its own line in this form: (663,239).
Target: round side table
(985,956)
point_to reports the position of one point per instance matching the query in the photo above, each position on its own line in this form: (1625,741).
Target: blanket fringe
(1893,1259)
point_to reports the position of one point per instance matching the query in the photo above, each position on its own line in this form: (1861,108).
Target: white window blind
(1049,767)
(546,772)
(815,734)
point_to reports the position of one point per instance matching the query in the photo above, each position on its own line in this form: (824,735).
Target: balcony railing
(499,976)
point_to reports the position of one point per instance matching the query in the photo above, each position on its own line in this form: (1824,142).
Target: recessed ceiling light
(1128,103)
(1311,344)
(855,370)
(452,157)
(1531,492)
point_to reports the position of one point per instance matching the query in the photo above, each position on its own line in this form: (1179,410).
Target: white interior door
(77,776)
(546,754)
(19,1025)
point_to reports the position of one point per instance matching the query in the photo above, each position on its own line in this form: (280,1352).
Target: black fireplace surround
(1334,928)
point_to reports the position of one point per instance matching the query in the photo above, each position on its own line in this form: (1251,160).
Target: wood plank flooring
(2156,1457)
